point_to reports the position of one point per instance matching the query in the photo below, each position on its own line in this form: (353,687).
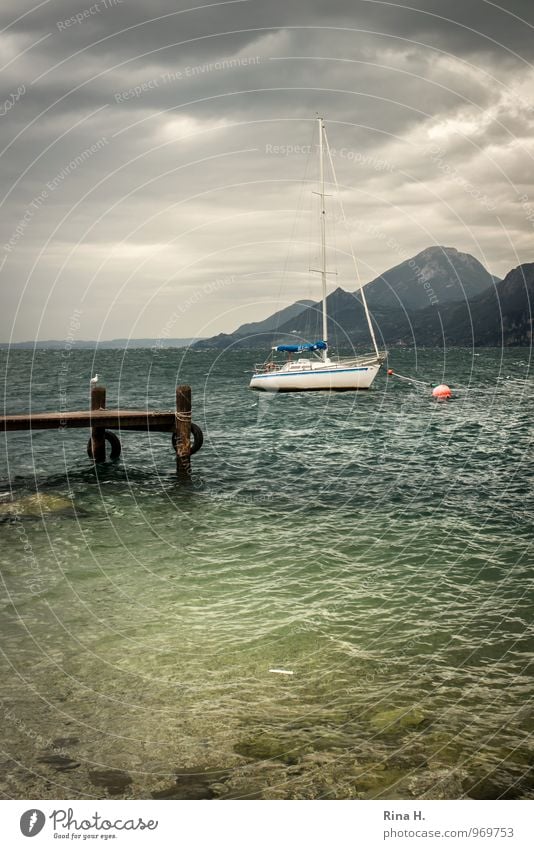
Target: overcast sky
(154,155)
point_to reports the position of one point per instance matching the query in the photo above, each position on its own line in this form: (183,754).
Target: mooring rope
(392,373)
(456,389)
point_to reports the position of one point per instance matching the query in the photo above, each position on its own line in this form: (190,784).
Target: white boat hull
(329,378)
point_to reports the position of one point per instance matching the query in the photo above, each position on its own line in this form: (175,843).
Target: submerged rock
(263,747)
(376,780)
(486,778)
(408,759)
(61,763)
(254,781)
(195,783)
(437,784)
(62,742)
(444,748)
(397,719)
(114,780)
(34,506)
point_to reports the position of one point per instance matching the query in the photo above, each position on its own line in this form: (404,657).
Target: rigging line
(333,231)
(356,267)
(311,235)
(298,209)
(416,382)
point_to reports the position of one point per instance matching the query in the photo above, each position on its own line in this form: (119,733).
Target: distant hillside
(346,320)
(436,275)
(500,316)
(273,322)
(107,343)
(428,281)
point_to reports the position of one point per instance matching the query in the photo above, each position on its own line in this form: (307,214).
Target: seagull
(94,380)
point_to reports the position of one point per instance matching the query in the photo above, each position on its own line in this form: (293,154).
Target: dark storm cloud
(155,125)
(462,26)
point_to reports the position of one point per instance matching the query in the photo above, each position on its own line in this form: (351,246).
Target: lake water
(376,545)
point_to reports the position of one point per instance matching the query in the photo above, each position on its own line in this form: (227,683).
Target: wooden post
(98,440)
(183,431)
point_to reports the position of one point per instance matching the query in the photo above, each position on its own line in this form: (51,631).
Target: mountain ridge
(437,273)
(495,312)
(273,321)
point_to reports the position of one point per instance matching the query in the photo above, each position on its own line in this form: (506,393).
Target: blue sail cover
(307,346)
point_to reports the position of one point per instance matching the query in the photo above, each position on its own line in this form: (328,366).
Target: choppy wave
(376,545)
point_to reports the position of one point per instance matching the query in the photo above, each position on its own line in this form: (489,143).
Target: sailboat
(319,371)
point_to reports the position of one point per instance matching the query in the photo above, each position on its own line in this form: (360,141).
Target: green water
(374,544)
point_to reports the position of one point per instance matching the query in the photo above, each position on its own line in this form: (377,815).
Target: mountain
(436,275)
(433,278)
(346,320)
(500,316)
(273,322)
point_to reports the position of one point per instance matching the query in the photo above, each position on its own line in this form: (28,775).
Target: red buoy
(442,391)
(390,371)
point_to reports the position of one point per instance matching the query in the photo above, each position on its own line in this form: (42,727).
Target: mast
(323,234)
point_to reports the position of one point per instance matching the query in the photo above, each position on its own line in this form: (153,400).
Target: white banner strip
(268,824)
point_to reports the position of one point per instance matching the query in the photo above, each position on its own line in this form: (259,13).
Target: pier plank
(141,420)
(102,422)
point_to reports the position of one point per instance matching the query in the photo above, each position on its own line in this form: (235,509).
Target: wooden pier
(103,422)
